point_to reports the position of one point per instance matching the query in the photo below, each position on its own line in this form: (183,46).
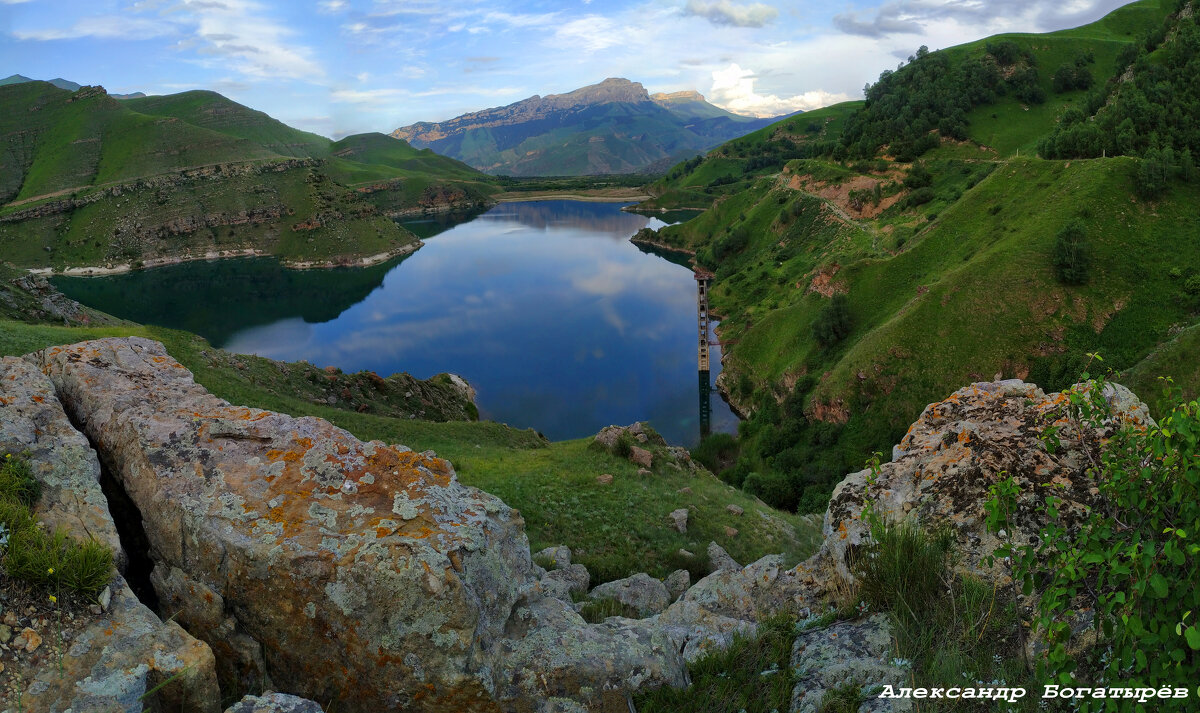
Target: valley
(411,421)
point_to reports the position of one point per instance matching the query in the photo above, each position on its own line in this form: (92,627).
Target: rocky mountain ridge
(296,558)
(615,126)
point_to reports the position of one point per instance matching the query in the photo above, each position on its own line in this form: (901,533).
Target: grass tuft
(31,554)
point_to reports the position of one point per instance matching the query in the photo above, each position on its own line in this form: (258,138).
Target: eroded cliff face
(302,560)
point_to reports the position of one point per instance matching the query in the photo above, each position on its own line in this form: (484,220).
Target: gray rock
(641,592)
(275,703)
(679,519)
(114,662)
(735,509)
(33,423)
(557,557)
(847,653)
(574,579)
(677,583)
(720,559)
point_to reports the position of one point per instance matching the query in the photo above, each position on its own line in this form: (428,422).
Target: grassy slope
(954,290)
(1009,126)
(616,530)
(217,113)
(58,144)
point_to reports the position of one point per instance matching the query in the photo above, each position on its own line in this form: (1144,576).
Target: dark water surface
(546,308)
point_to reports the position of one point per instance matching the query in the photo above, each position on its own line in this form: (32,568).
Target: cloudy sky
(343,66)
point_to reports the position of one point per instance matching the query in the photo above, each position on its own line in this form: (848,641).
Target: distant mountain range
(63,84)
(615,126)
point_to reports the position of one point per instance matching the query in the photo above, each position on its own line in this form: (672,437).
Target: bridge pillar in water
(703,280)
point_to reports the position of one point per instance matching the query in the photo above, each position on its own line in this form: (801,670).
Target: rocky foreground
(289,556)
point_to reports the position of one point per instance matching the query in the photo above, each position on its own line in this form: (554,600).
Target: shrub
(1192,285)
(1072,254)
(1132,562)
(921,196)
(716,452)
(773,489)
(834,322)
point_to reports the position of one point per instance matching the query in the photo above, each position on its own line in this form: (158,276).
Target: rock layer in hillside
(308,560)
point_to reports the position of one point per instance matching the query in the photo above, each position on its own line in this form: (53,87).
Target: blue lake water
(558,321)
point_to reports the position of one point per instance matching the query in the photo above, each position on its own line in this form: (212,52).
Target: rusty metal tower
(703,281)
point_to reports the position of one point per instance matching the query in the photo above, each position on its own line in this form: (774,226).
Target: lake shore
(122,268)
(596,195)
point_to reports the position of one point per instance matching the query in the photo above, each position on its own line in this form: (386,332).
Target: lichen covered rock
(33,423)
(307,559)
(274,703)
(849,653)
(121,661)
(942,470)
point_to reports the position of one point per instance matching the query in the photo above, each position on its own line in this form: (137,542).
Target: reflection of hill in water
(592,217)
(437,223)
(216,299)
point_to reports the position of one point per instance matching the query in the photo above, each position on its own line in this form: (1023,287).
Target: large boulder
(308,560)
(33,423)
(124,660)
(942,470)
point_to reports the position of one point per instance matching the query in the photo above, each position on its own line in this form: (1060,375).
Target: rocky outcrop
(33,424)
(941,471)
(307,559)
(127,659)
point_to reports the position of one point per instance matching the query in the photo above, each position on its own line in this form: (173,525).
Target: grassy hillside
(92,182)
(57,140)
(855,291)
(212,111)
(615,530)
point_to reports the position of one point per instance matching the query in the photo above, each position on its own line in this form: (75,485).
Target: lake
(558,321)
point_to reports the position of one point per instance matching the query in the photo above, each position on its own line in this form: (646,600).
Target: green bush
(716,452)
(1134,563)
(1072,254)
(834,322)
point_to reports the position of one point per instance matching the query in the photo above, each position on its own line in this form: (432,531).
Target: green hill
(210,110)
(87,181)
(855,288)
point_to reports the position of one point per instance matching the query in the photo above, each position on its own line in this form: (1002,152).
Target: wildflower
(50,570)
(905,663)
(53,599)
(863,607)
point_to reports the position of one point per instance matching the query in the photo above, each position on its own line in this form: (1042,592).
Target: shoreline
(120,269)
(513,197)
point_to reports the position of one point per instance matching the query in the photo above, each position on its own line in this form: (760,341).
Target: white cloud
(726,12)
(733,89)
(102,27)
(249,42)
(589,34)
(332,6)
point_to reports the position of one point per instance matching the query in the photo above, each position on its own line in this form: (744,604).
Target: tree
(1072,254)
(1153,174)
(833,323)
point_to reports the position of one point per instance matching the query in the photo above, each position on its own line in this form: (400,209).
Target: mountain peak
(613,89)
(687,95)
